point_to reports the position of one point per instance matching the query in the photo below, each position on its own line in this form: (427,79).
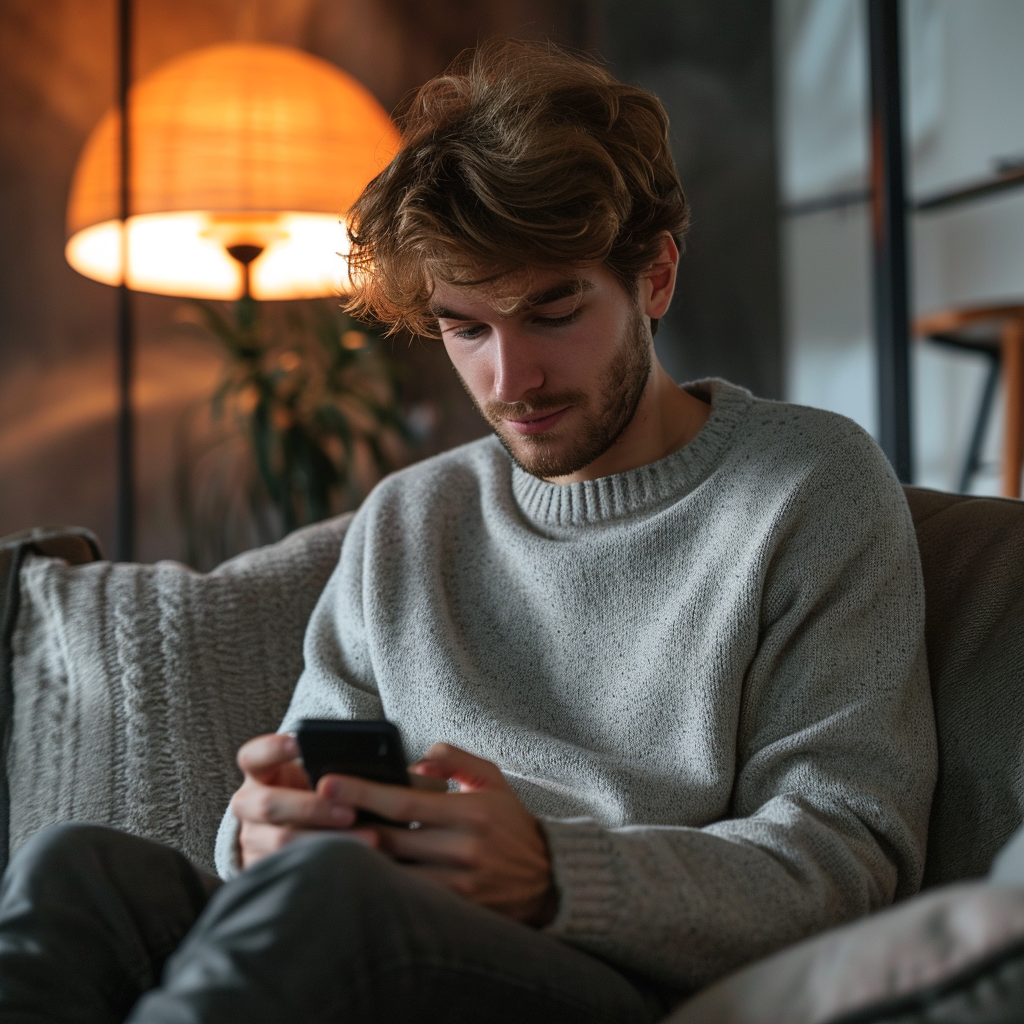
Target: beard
(605,415)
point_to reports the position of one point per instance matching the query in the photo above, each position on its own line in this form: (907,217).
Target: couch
(126,689)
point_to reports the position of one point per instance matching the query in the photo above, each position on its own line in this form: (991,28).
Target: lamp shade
(235,144)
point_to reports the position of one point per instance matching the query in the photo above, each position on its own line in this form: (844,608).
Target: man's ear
(658,284)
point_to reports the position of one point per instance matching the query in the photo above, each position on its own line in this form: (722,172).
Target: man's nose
(518,369)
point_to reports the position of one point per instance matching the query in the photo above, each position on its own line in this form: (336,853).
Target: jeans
(100,926)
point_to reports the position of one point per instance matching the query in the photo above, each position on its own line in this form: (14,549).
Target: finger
(297,808)
(291,774)
(367,836)
(264,755)
(471,772)
(403,803)
(257,840)
(433,846)
(431,783)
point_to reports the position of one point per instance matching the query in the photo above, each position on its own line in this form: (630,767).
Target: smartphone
(369,749)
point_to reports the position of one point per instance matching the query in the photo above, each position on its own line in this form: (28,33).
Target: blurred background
(963,83)
(768,105)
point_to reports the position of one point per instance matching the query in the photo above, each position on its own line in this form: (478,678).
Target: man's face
(561,376)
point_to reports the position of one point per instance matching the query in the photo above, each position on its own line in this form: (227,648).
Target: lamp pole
(889,236)
(125,321)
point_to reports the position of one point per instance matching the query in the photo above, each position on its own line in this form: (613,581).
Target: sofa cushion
(73,544)
(952,954)
(972,554)
(134,685)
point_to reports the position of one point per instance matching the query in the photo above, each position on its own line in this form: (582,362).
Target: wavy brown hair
(519,155)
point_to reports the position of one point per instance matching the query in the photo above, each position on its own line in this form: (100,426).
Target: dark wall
(711,65)
(709,60)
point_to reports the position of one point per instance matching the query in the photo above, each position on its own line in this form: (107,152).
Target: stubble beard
(622,385)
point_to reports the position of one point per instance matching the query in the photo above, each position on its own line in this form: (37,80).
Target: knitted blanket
(134,685)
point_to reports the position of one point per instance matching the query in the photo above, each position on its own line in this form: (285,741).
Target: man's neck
(666,419)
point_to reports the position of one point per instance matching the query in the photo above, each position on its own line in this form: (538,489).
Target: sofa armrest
(75,546)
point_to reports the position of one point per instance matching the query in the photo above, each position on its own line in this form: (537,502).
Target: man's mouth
(537,423)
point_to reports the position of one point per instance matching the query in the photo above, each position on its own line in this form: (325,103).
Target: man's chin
(544,456)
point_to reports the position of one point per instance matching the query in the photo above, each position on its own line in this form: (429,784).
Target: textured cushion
(972,553)
(76,546)
(953,955)
(134,685)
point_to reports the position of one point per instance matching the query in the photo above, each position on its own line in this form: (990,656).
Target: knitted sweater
(705,675)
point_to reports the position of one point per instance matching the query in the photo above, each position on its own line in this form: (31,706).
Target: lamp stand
(125,320)
(245,254)
(245,311)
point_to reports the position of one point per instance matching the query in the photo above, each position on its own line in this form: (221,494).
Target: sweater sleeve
(835,759)
(337,677)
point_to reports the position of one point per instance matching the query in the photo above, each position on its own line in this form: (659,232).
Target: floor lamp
(125,323)
(224,172)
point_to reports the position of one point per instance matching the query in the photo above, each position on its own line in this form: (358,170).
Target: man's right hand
(275,803)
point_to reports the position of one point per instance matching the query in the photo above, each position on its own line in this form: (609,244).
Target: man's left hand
(481,842)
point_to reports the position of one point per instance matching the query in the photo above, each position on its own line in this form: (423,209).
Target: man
(667,642)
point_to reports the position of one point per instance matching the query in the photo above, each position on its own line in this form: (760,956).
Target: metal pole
(125,324)
(889,233)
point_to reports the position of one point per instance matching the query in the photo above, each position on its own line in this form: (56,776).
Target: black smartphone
(369,749)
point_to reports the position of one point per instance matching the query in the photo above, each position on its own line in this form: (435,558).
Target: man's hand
(275,803)
(480,842)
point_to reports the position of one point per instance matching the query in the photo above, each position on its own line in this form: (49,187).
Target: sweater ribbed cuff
(581,863)
(227,854)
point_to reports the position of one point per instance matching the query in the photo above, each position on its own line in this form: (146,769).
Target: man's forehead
(509,293)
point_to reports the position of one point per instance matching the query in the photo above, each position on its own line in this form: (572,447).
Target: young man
(666,641)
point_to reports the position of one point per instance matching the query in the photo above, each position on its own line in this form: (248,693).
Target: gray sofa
(126,689)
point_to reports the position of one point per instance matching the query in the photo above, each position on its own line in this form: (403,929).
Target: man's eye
(469,333)
(557,321)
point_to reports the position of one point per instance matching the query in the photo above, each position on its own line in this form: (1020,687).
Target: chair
(998,333)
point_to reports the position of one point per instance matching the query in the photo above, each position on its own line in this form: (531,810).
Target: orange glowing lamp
(244,158)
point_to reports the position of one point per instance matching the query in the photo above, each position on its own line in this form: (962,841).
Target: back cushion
(134,685)
(972,553)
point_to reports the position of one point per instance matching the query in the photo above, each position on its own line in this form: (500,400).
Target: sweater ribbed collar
(643,488)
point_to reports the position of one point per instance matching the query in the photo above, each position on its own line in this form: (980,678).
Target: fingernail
(342,815)
(291,744)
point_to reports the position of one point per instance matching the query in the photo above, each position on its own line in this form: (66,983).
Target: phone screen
(368,749)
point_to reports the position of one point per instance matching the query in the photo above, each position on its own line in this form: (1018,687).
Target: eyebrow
(572,286)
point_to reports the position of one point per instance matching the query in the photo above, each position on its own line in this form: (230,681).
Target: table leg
(1012,343)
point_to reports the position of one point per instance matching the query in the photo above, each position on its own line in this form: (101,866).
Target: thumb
(443,760)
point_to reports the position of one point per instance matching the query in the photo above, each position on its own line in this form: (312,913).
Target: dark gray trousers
(100,926)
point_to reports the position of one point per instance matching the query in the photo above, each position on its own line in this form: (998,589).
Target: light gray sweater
(706,675)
